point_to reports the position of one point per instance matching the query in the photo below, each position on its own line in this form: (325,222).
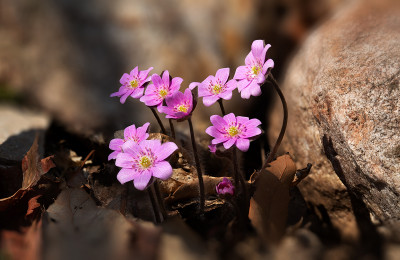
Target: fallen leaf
(269,204)
(18,208)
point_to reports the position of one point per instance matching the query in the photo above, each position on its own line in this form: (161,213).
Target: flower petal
(241,72)
(134,72)
(165,150)
(115,144)
(125,175)
(144,73)
(230,118)
(142,180)
(267,65)
(153,145)
(228,144)
(175,84)
(157,81)
(165,78)
(209,100)
(131,147)
(252,123)
(137,92)
(222,75)
(193,85)
(250,60)
(243,84)
(113,155)
(219,122)
(141,132)
(243,144)
(250,132)
(255,89)
(125,96)
(245,93)
(257,48)
(124,79)
(162,170)
(213,131)
(124,160)
(130,132)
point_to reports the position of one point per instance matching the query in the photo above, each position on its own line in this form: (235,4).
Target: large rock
(19,128)
(343,90)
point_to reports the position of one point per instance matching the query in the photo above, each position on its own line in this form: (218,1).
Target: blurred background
(65,57)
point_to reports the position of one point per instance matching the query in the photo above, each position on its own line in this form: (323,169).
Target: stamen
(145,162)
(134,83)
(182,108)
(233,131)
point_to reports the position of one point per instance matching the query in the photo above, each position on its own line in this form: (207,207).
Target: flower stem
(198,167)
(160,199)
(154,204)
(158,120)
(171,126)
(238,176)
(284,123)
(221,106)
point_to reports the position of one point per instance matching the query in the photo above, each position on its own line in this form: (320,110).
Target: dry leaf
(19,207)
(269,204)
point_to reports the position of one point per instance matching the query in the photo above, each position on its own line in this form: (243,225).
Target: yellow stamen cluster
(134,83)
(163,93)
(182,108)
(233,131)
(145,162)
(217,89)
(256,70)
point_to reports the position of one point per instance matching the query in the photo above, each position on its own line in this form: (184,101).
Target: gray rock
(343,90)
(18,130)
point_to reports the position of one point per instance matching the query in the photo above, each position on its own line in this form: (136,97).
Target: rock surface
(343,90)
(18,130)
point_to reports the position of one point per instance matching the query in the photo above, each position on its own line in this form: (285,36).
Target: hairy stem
(171,126)
(158,120)
(284,123)
(198,167)
(221,106)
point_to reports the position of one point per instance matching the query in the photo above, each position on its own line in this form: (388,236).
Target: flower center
(145,162)
(233,131)
(217,89)
(134,83)
(182,108)
(255,70)
(163,92)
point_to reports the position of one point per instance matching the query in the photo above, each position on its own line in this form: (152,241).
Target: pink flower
(213,148)
(160,89)
(214,88)
(251,76)
(142,162)
(179,105)
(225,187)
(132,84)
(130,133)
(231,130)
